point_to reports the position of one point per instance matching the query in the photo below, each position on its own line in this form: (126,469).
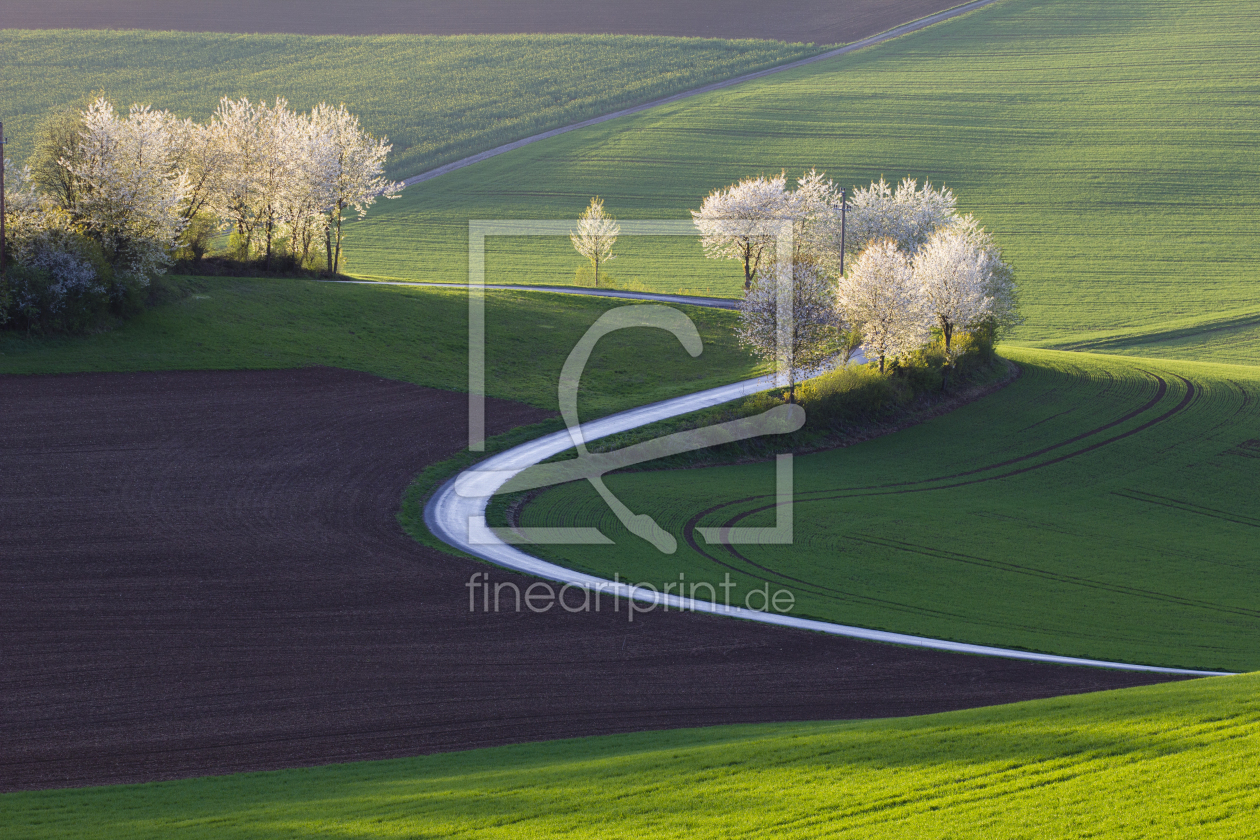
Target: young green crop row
(437,98)
(1098,506)
(1168,761)
(1108,146)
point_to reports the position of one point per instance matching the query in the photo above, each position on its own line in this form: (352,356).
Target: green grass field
(1110,146)
(415,335)
(1169,761)
(1099,506)
(437,98)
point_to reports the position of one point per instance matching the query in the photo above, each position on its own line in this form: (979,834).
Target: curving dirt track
(201,572)
(819,21)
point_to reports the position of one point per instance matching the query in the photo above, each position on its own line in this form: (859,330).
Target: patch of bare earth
(818,21)
(202,573)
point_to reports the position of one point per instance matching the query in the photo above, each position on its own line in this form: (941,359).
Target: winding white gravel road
(456,515)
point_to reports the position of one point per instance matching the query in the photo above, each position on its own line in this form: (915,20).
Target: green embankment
(437,98)
(1169,761)
(415,335)
(1110,147)
(1098,506)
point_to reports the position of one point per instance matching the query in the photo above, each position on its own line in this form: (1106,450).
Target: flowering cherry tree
(907,215)
(352,172)
(881,300)
(595,235)
(129,193)
(952,275)
(732,221)
(797,345)
(237,128)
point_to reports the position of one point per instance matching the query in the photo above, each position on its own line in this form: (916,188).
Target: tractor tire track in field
(1014,568)
(898,488)
(902,487)
(201,572)
(1188,507)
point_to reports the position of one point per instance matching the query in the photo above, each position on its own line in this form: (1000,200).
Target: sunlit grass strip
(1168,761)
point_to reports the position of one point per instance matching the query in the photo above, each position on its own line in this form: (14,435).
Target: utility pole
(844,208)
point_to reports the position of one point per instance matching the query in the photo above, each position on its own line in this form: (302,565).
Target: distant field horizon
(818,21)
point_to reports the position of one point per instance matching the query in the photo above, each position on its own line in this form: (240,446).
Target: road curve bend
(456,515)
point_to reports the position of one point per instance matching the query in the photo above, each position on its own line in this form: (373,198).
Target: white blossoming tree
(278,174)
(237,127)
(953,279)
(313,157)
(908,215)
(732,222)
(1003,314)
(797,345)
(814,207)
(595,235)
(353,172)
(129,194)
(878,296)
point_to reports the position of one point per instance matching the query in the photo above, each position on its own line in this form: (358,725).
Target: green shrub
(199,236)
(856,394)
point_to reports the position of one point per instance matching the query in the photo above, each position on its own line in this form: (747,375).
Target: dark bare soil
(202,573)
(819,21)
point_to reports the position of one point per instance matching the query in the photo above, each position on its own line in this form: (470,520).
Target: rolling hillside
(1110,147)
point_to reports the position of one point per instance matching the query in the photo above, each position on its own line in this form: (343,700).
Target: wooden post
(2,208)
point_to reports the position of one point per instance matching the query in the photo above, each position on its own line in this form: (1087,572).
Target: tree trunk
(747,270)
(268,227)
(881,362)
(337,252)
(596,264)
(328,244)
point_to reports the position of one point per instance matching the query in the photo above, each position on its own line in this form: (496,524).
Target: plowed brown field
(201,572)
(819,21)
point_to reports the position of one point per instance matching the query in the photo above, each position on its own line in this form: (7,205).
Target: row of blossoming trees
(883,270)
(111,198)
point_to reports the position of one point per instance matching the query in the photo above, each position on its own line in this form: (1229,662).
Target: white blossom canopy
(879,297)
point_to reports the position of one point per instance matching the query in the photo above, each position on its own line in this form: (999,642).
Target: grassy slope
(416,335)
(1109,146)
(437,98)
(1141,549)
(1169,761)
